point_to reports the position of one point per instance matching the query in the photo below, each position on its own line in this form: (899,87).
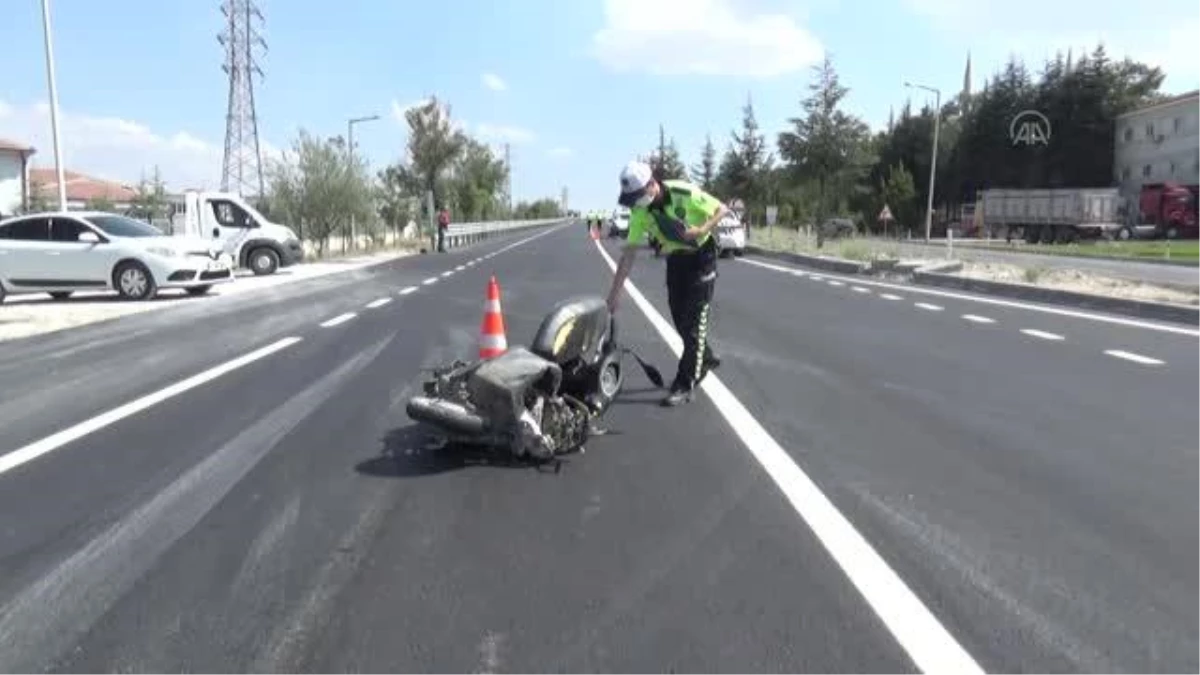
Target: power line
(241,167)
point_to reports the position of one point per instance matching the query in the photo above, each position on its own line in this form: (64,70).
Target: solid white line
(1136,358)
(978,319)
(889,296)
(913,625)
(447,273)
(1042,334)
(926,305)
(1004,303)
(430,280)
(831,282)
(410,289)
(379,303)
(860,289)
(340,319)
(36,449)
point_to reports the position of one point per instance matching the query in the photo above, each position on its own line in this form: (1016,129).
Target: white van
(239,229)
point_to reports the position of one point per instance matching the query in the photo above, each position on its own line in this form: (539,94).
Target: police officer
(681,218)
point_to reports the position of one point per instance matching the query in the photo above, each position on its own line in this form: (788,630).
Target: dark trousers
(691,280)
(441,246)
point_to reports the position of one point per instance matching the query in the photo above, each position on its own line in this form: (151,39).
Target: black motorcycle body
(538,401)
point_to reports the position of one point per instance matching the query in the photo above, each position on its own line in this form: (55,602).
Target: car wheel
(60,295)
(134,282)
(3,294)
(739,251)
(264,261)
(199,290)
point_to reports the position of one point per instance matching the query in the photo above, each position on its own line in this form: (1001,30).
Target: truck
(250,239)
(1166,210)
(1052,215)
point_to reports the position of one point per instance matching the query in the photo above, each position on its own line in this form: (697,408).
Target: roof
(13,146)
(81,187)
(1173,100)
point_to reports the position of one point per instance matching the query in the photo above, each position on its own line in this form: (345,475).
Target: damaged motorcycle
(539,402)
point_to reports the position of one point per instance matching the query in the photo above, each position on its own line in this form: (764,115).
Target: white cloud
(499,132)
(560,151)
(116,148)
(494,82)
(1035,30)
(704,37)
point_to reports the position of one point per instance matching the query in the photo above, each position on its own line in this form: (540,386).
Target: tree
(900,195)
(705,173)
(38,199)
(315,187)
(150,201)
(539,209)
(433,144)
(478,181)
(665,162)
(748,172)
(823,143)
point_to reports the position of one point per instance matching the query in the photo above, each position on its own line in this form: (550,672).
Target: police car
(618,223)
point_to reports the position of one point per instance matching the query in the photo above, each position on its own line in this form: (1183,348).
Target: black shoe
(677,397)
(709,364)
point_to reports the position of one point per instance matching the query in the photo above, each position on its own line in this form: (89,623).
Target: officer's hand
(611,301)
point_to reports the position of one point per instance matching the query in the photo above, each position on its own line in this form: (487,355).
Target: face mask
(644,200)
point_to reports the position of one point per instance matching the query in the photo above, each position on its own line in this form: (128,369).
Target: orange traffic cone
(595,232)
(492,340)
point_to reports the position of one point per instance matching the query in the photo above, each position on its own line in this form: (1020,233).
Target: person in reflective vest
(681,217)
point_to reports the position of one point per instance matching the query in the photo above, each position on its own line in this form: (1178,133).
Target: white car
(618,223)
(731,235)
(64,252)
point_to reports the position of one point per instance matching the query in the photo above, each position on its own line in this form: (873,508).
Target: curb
(822,263)
(1144,309)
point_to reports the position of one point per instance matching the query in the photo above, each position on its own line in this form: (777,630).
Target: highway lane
(1037,492)
(283,517)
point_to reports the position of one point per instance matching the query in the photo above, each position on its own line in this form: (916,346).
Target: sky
(576,87)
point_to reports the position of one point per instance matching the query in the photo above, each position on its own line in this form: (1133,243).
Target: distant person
(443,218)
(681,218)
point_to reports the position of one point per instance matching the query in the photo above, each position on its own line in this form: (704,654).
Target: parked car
(731,235)
(837,228)
(63,252)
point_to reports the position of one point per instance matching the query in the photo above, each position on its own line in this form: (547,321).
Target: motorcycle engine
(553,425)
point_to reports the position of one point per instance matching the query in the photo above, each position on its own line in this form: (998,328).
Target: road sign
(772,214)
(886,213)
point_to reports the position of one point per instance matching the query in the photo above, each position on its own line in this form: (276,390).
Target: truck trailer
(1052,215)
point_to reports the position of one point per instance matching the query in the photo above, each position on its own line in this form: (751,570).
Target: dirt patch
(1081,282)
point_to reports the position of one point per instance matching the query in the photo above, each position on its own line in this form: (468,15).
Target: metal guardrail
(465,234)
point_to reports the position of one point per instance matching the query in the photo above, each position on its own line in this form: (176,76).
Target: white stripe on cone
(492,306)
(493,342)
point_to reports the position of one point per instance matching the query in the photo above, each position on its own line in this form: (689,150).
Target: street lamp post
(58,162)
(937,123)
(350,157)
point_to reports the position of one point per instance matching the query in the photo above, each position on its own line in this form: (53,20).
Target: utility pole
(508,179)
(937,120)
(350,157)
(241,166)
(58,161)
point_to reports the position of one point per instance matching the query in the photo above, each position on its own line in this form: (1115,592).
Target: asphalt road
(1130,270)
(867,485)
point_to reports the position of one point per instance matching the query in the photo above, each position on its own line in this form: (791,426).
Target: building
(1159,143)
(14,176)
(82,190)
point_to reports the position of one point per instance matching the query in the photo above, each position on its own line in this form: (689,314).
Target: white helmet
(635,178)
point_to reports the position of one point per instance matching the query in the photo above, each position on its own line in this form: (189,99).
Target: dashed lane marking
(1032,332)
(338,320)
(378,303)
(926,305)
(860,289)
(890,296)
(447,273)
(430,280)
(1136,358)
(410,289)
(975,318)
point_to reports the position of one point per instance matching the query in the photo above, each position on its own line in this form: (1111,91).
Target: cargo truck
(1052,215)
(239,229)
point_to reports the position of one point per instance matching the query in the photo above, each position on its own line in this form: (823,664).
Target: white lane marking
(889,296)
(410,289)
(463,267)
(447,273)
(816,277)
(1136,358)
(926,305)
(430,280)
(36,449)
(860,289)
(379,303)
(910,622)
(799,273)
(831,282)
(978,319)
(339,319)
(1077,314)
(1042,334)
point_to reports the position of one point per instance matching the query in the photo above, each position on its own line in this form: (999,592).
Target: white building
(1158,143)
(14,176)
